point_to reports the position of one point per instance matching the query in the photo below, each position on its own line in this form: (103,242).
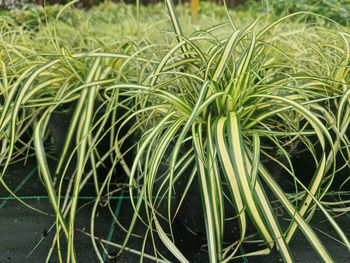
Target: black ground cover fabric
(22,228)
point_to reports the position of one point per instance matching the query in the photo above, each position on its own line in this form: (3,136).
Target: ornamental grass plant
(217,102)
(230,101)
(38,80)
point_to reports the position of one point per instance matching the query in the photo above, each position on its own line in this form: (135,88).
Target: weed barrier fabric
(21,229)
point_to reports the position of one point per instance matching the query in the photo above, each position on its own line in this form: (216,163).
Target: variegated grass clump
(38,79)
(78,79)
(228,98)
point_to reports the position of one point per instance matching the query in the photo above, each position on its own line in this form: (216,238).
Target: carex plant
(70,79)
(323,55)
(330,59)
(220,105)
(33,86)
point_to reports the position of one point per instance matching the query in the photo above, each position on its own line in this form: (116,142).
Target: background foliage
(337,10)
(9,4)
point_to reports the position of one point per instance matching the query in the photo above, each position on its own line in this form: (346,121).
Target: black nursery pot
(191,213)
(59,124)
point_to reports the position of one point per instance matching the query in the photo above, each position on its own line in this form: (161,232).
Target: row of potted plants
(215,105)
